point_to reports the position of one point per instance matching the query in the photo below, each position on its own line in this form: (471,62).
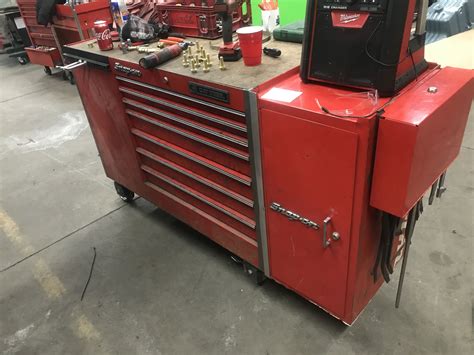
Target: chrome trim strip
(188,123)
(196,160)
(184,109)
(187,135)
(200,102)
(196,177)
(253,127)
(196,196)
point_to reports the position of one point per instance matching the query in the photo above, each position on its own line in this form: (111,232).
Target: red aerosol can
(102,33)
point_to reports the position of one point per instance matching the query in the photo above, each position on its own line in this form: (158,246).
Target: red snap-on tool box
(289,177)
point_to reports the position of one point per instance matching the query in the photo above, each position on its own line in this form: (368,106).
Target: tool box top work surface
(236,74)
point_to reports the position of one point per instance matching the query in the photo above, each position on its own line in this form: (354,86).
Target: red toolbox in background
(80,20)
(43,50)
(72,23)
(201,21)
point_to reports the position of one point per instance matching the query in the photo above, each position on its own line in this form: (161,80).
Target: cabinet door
(309,173)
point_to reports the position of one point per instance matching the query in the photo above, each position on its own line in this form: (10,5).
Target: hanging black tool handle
(226,9)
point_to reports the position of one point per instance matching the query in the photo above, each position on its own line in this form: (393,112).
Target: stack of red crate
(198,18)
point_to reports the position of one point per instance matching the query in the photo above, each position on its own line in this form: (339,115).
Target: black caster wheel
(124,193)
(250,270)
(254,273)
(70,77)
(22,60)
(65,75)
(48,71)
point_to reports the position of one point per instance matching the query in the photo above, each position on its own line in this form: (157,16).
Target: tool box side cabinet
(317,168)
(341,173)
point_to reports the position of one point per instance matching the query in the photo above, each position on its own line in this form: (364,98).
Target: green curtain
(290,11)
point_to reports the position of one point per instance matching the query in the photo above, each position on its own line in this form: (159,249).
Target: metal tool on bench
(154,59)
(272,52)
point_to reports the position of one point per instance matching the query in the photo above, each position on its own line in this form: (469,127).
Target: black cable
(393,228)
(413,63)
(386,242)
(379,257)
(90,275)
(379,62)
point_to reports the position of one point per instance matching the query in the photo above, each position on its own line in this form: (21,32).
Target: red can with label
(102,33)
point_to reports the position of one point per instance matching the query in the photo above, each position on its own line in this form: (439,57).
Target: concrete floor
(159,287)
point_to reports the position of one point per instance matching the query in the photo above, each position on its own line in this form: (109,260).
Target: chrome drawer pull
(173,118)
(190,99)
(241,128)
(188,135)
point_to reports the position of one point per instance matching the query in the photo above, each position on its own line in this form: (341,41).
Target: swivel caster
(48,71)
(250,270)
(70,77)
(124,193)
(22,60)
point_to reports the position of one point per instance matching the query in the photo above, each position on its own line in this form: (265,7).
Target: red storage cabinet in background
(43,50)
(72,23)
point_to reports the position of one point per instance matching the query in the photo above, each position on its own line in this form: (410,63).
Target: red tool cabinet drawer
(48,57)
(419,136)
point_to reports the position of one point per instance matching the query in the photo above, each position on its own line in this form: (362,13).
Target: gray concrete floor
(159,287)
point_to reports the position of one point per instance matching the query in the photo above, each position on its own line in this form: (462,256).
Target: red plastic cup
(251,39)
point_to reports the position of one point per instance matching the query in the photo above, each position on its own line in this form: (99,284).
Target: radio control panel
(353,5)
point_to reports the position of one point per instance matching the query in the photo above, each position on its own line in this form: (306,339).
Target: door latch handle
(335,236)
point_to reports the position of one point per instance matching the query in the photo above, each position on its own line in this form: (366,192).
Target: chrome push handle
(72,66)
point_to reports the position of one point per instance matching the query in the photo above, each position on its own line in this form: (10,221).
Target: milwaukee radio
(377,44)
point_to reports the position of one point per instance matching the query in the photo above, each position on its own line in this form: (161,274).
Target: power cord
(379,62)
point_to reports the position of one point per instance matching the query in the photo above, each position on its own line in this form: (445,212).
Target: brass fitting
(185,61)
(222,64)
(193,66)
(205,67)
